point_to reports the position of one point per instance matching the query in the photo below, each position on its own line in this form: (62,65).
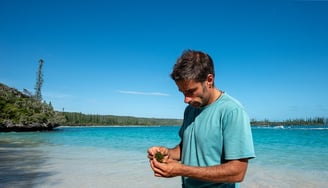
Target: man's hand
(167,168)
(153,150)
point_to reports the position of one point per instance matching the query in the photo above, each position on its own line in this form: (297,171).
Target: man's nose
(187,99)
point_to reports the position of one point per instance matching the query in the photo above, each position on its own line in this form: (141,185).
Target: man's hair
(193,65)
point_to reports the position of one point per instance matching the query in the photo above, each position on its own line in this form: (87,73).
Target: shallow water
(116,157)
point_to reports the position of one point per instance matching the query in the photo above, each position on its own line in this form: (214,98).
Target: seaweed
(159,157)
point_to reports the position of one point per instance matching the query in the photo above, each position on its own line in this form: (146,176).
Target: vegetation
(79,119)
(159,157)
(309,121)
(39,81)
(21,112)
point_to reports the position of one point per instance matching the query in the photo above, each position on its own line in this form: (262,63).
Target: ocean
(99,157)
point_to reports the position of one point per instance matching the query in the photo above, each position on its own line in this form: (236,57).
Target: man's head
(194,75)
(193,65)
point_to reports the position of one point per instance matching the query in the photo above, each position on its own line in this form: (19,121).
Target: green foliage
(18,108)
(39,82)
(73,118)
(309,121)
(79,119)
(159,156)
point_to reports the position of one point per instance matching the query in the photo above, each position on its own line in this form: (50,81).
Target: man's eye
(191,92)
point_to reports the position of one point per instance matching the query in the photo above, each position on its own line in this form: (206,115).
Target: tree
(39,81)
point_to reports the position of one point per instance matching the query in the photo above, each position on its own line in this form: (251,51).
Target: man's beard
(204,99)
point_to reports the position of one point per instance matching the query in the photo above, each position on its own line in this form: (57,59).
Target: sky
(115,57)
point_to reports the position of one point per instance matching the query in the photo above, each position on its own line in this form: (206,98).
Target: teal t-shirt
(214,134)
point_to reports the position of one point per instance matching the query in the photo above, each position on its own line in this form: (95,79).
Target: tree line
(80,119)
(297,121)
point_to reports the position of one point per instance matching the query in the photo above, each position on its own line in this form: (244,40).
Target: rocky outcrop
(9,126)
(22,112)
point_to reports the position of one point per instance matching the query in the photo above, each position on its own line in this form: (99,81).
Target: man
(216,139)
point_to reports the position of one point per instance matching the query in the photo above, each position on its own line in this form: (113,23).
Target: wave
(306,127)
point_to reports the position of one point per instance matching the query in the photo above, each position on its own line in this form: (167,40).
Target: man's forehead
(185,85)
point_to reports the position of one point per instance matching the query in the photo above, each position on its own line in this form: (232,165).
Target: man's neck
(216,94)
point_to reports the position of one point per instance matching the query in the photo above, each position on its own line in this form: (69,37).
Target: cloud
(57,95)
(143,93)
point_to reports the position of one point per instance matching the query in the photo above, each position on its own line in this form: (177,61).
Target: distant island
(20,111)
(80,119)
(308,122)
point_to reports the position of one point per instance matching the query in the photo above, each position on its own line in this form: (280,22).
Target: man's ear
(210,80)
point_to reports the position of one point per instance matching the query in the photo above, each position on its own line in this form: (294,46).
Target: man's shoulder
(230,101)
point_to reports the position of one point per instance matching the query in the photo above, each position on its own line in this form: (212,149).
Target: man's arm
(175,153)
(232,171)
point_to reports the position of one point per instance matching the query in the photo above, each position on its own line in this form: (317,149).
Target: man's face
(195,93)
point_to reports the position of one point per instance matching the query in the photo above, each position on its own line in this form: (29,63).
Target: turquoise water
(302,148)
(116,157)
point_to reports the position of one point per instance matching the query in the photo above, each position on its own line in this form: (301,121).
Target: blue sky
(115,57)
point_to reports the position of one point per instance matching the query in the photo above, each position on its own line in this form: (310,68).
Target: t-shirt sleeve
(237,136)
